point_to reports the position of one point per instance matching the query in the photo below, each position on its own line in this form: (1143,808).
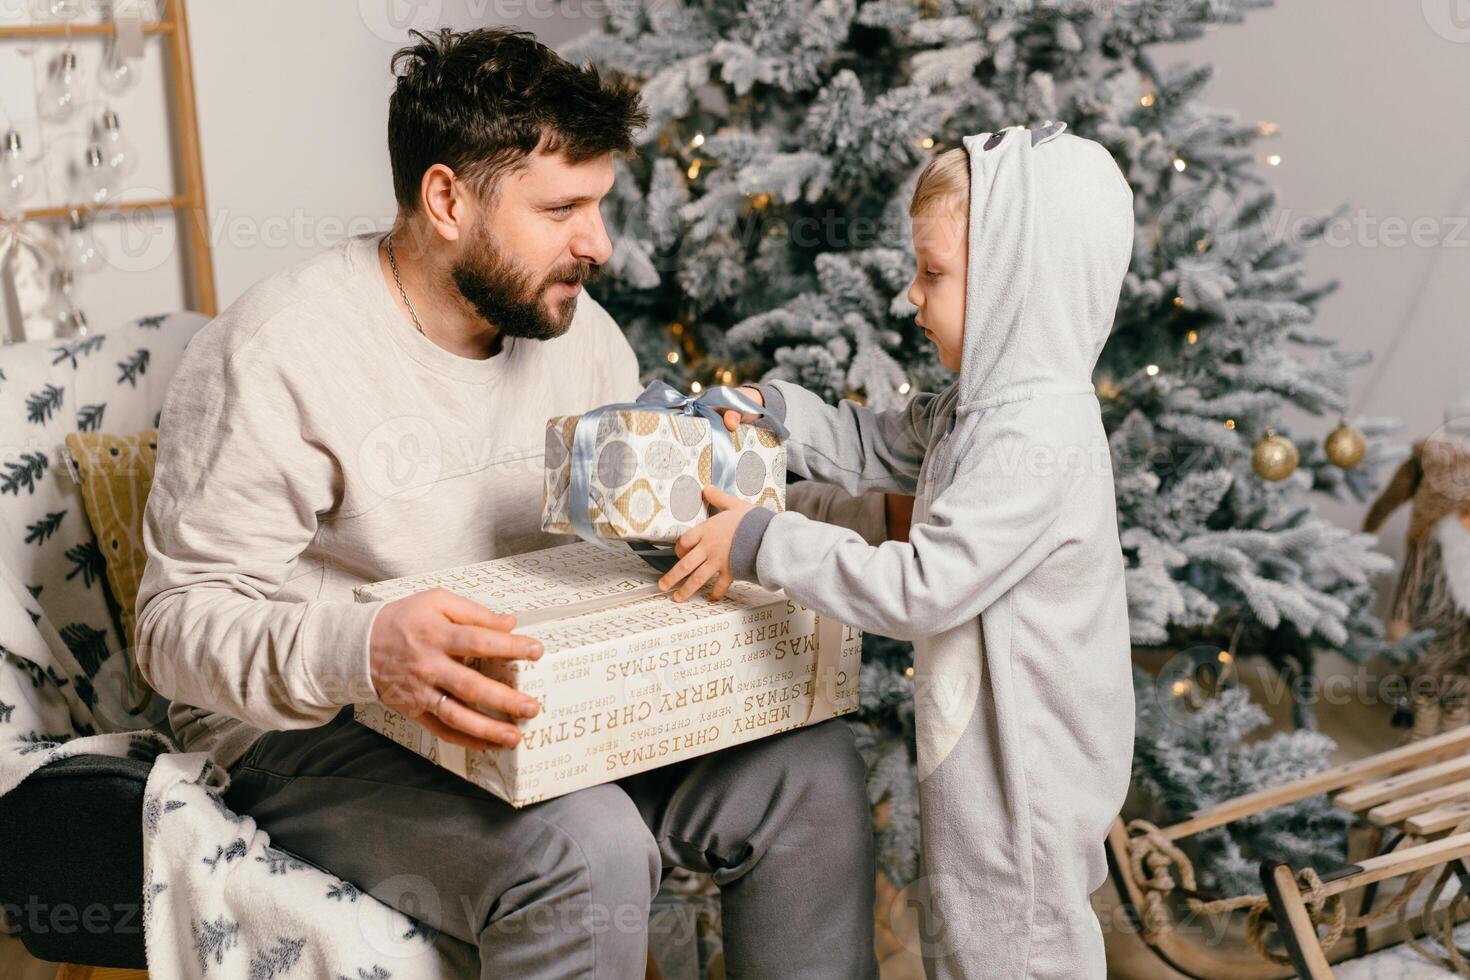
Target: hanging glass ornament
(1275,457)
(1345,445)
(81,255)
(95,178)
(61,311)
(117,150)
(117,74)
(59,93)
(17,177)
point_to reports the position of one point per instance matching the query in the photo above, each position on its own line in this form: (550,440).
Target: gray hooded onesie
(1011,583)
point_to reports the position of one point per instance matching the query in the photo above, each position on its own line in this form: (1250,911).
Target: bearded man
(380,411)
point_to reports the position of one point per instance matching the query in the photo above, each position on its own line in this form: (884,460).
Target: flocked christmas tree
(762,233)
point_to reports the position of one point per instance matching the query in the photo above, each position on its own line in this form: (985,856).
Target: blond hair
(944,185)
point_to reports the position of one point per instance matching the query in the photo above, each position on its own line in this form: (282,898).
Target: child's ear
(1048,130)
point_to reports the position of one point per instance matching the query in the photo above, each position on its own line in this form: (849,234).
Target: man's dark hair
(482,101)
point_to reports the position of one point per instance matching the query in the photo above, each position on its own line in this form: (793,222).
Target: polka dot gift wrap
(649,469)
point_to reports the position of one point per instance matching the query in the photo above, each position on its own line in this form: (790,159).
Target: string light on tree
(1274,159)
(1275,457)
(1196,676)
(1180,164)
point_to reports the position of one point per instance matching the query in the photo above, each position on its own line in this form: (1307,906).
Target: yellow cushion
(116,473)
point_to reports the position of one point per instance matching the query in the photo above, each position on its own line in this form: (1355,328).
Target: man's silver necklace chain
(393,264)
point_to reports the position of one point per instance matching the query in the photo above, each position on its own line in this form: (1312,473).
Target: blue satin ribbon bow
(659,397)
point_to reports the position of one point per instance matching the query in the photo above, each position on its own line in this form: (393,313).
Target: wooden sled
(1412,825)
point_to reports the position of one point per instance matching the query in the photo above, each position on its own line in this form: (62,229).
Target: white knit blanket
(219,900)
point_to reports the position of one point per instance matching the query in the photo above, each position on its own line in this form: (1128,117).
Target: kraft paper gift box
(630,680)
(647,468)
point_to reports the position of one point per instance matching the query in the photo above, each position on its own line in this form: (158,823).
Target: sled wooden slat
(1394,811)
(1406,784)
(1433,749)
(1438,820)
(1396,863)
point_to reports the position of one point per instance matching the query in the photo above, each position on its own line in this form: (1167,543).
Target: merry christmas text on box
(630,680)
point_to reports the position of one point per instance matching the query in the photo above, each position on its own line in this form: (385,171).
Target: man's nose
(914,295)
(592,244)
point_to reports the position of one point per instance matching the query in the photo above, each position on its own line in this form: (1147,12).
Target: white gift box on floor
(630,680)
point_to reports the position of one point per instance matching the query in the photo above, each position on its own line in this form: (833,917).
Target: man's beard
(506,296)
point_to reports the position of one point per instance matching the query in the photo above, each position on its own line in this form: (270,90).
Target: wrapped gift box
(648,471)
(630,680)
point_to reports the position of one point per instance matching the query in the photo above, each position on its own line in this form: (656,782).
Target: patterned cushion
(48,388)
(116,474)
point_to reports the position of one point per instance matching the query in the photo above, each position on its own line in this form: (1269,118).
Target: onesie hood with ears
(1050,239)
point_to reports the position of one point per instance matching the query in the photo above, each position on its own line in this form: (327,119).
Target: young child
(1011,582)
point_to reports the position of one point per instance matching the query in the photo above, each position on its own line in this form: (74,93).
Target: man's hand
(704,550)
(734,418)
(417,647)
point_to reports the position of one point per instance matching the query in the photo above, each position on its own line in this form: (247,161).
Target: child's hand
(704,550)
(734,418)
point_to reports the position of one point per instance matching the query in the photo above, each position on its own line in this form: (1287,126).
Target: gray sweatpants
(562,888)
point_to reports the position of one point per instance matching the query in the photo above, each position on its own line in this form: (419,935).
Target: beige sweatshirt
(312,441)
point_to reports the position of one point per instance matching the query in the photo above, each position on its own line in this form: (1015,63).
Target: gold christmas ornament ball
(1275,458)
(1346,446)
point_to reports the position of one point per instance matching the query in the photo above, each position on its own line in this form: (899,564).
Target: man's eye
(931,274)
(563,210)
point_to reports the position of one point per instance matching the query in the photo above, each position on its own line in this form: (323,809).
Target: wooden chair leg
(1294,922)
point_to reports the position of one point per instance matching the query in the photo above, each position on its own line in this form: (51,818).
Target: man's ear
(441,197)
